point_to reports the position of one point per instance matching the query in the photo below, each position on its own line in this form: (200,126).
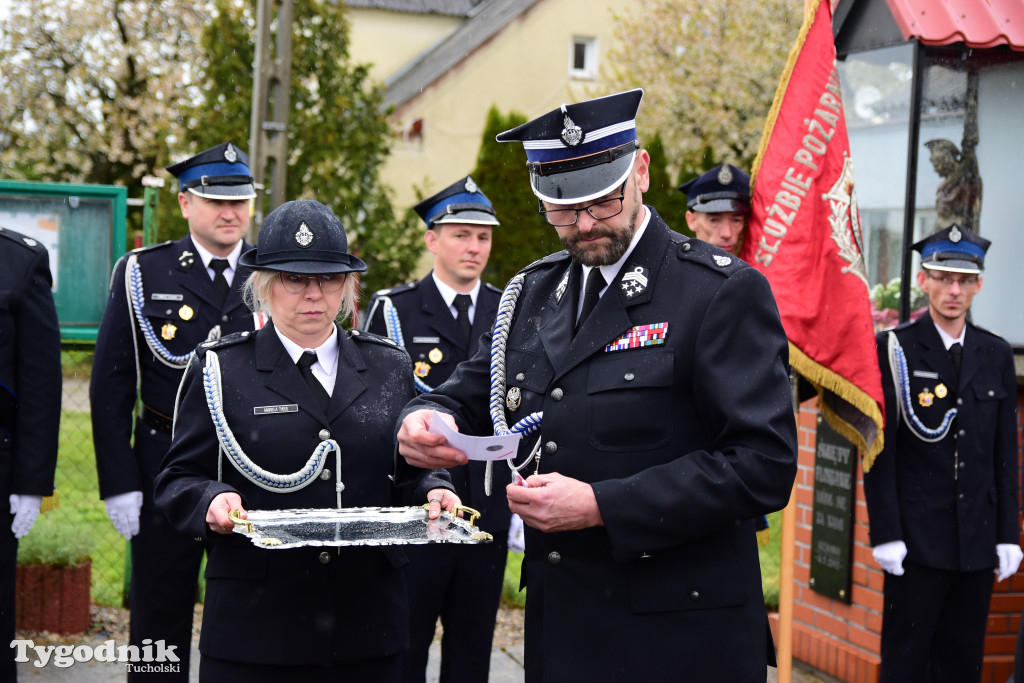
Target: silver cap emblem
(471,186)
(955,235)
(304,236)
(230,154)
(724,175)
(722,261)
(572,135)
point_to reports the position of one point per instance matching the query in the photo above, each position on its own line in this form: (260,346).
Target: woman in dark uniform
(258,427)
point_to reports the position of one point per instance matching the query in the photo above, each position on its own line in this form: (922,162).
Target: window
(583,58)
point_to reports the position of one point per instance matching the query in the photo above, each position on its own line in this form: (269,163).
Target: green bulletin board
(83,229)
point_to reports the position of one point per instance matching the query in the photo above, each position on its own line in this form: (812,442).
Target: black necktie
(220,283)
(595,283)
(955,352)
(305,364)
(462,303)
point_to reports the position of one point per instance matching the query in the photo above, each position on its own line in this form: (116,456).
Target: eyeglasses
(947,281)
(606,208)
(294,283)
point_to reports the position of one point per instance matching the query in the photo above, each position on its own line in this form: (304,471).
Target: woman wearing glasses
(299,414)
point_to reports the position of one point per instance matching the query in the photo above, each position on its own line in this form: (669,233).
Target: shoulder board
(151,247)
(491,287)
(709,256)
(557,257)
(370,337)
(225,341)
(397,289)
(23,240)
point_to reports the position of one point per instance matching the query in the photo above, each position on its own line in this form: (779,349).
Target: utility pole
(268,130)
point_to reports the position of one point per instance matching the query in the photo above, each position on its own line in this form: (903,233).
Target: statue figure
(958,197)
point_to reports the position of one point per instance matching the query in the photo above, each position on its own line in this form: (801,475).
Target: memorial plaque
(835,468)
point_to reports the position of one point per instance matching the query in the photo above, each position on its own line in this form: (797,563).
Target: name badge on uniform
(274,410)
(640,336)
(426,340)
(166,297)
(926,374)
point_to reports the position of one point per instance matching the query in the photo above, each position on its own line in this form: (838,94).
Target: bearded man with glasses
(647,374)
(942,495)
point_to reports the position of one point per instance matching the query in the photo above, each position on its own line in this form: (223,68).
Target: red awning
(976,23)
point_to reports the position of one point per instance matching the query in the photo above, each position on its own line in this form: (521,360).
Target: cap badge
(722,261)
(471,186)
(572,135)
(955,235)
(304,236)
(724,175)
(513,398)
(186,259)
(230,154)
(634,283)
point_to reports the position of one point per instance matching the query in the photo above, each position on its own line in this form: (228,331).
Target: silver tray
(282,529)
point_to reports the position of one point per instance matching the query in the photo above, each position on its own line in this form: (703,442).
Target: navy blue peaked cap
(723,188)
(954,249)
(302,236)
(461,202)
(582,151)
(221,172)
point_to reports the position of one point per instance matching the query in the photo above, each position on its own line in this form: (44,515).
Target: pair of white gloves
(890,556)
(123,510)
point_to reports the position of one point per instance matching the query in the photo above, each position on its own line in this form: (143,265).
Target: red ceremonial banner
(805,236)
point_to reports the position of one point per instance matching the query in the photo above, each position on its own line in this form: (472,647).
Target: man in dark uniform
(164,300)
(439,320)
(30,395)
(664,414)
(718,204)
(942,495)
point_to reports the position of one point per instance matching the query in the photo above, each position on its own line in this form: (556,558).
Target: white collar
(207,256)
(948,340)
(448,293)
(326,353)
(610,271)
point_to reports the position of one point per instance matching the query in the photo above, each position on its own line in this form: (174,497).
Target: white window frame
(589,70)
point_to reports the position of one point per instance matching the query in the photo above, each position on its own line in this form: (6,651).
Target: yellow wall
(390,40)
(524,67)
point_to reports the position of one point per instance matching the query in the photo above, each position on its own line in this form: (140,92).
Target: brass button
(324,435)
(326,474)
(556,394)
(554,558)
(550,447)
(325,557)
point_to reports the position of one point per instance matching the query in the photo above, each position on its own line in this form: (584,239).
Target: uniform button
(152,432)
(225,318)
(961,464)
(695,596)
(325,557)
(550,447)
(960,497)
(324,435)
(168,312)
(326,474)
(686,246)
(961,433)
(629,376)
(521,376)
(959,401)
(991,393)
(556,394)
(554,558)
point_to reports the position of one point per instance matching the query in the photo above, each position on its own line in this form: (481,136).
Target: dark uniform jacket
(181,306)
(429,330)
(302,605)
(684,443)
(30,376)
(951,501)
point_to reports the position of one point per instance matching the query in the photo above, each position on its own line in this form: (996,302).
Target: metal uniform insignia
(426,340)
(941,391)
(639,337)
(435,355)
(157,296)
(721,261)
(230,154)
(471,187)
(572,135)
(421,369)
(168,331)
(955,235)
(304,236)
(562,286)
(634,283)
(724,175)
(186,259)
(186,312)
(29,241)
(926,398)
(513,398)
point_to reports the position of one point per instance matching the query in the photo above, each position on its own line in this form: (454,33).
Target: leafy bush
(53,541)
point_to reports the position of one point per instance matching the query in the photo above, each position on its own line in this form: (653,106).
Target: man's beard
(602,256)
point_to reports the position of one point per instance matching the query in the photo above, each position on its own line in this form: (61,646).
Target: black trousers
(371,670)
(462,585)
(165,574)
(933,625)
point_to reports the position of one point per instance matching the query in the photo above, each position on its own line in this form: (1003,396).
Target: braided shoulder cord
(502,325)
(133,285)
(394,328)
(901,380)
(278,483)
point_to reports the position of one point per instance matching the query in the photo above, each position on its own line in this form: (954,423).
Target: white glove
(123,510)
(25,510)
(516,535)
(1010,556)
(890,556)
